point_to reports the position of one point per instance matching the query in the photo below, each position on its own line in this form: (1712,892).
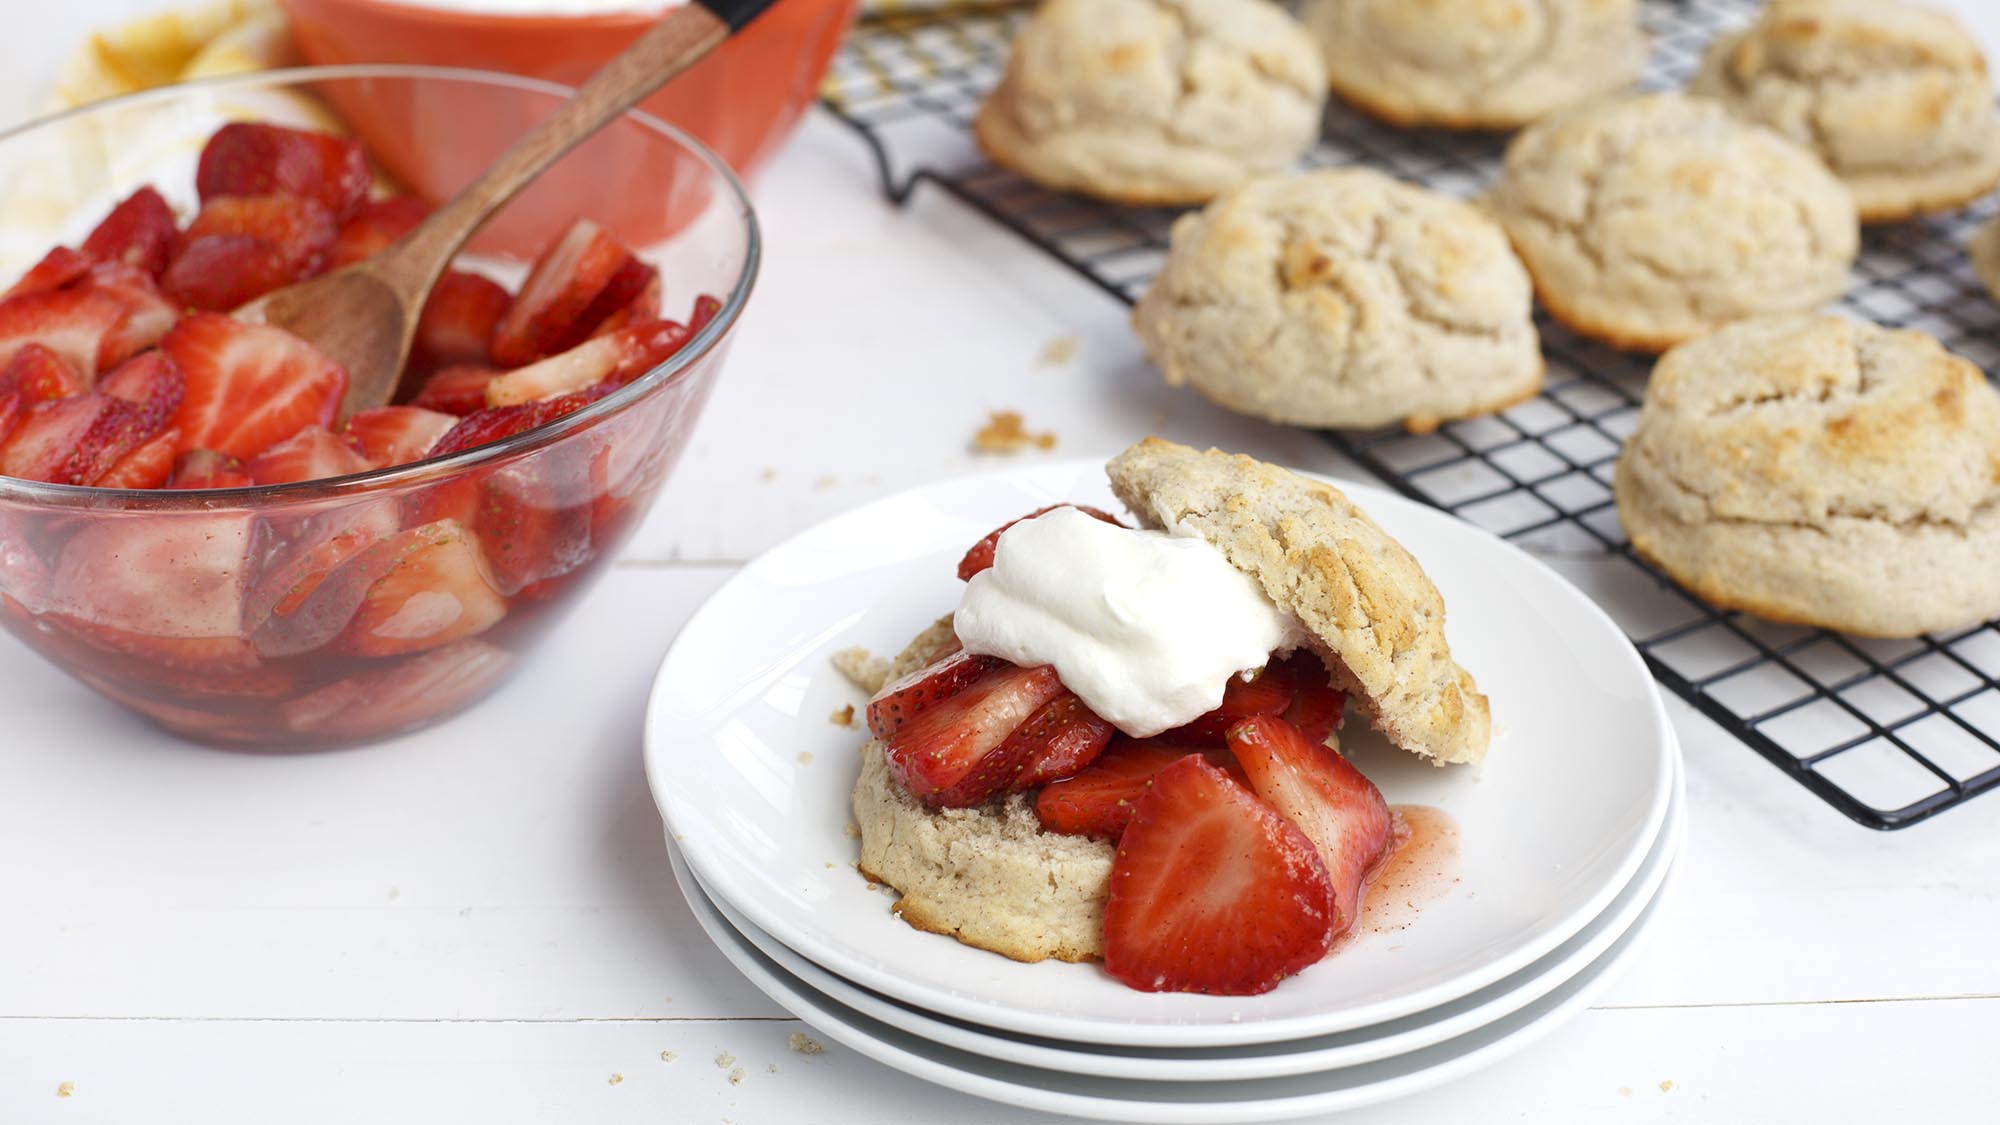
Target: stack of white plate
(1565,840)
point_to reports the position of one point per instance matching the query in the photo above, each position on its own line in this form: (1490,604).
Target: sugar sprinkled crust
(1378,619)
(1894,97)
(1650,220)
(1476,64)
(988,876)
(1344,298)
(1818,470)
(1154,101)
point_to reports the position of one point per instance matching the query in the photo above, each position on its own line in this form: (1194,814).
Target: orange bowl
(742,101)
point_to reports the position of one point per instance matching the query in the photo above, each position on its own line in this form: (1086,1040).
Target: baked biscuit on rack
(1154,102)
(1822,471)
(1476,64)
(1344,298)
(1649,220)
(1894,97)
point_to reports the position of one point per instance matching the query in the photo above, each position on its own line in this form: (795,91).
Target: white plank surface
(479,923)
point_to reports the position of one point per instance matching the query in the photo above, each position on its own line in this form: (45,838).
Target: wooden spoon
(364,316)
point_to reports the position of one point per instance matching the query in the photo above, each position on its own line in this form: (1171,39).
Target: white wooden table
(479,924)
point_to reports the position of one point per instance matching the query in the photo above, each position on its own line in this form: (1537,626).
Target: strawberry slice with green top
(561,287)
(1212,890)
(942,746)
(980,556)
(249,386)
(1340,810)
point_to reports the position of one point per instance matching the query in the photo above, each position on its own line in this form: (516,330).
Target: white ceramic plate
(1267,1060)
(753,779)
(1165,1103)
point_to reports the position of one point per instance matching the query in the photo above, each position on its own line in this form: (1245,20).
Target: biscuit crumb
(805,1044)
(843,717)
(851,830)
(68,1088)
(772,1067)
(395,893)
(1667,1086)
(770,475)
(873,885)
(616,1078)
(737,1076)
(805,757)
(1624,1091)
(724,1061)
(1005,433)
(1058,352)
(668,1056)
(826,482)
(862,668)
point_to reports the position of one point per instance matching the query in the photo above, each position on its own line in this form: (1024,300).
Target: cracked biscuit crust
(1378,620)
(1343,298)
(1476,64)
(1821,471)
(1650,220)
(988,876)
(1894,97)
(1154,101)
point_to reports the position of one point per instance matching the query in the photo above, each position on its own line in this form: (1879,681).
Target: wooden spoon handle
(666,49)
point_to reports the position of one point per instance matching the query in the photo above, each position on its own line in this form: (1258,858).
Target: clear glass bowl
(346,610)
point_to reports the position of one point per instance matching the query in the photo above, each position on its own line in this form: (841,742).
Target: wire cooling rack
(1888,732)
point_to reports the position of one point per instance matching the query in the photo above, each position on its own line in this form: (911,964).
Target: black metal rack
(1888,732)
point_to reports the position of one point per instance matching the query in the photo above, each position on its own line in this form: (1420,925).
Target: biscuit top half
(1799,419)
(1378,619)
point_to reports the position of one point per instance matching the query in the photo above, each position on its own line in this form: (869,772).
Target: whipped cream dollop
(1144,626)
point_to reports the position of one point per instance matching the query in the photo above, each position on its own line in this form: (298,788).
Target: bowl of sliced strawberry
(189,522)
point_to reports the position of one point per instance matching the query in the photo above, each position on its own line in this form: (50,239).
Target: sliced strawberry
(220,272)
(1098,800)
(302,231)
(1212,891)
(255,159)
(167,587)
(397,435)
(375,227)
(945,676)
(632,297)
(249,386)
(1267,692)
(292,607)
(458,320)
(559,290)
(429,586)
(484,426)
(150,379)
(140,232)
(205,468)
(13,407)
(1319,707)
(148,466)
(73,323)
(314,453)
(407,694)
(981,555)
(941,746)
(77,440)
(148,314)
(706,308)
(1068,737)
(40,375)
(460,389)
(57,268)
(628,286)
(1315,788)
(618,358)
(118,431)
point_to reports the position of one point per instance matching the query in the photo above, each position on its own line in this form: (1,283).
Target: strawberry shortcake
(1122,745)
